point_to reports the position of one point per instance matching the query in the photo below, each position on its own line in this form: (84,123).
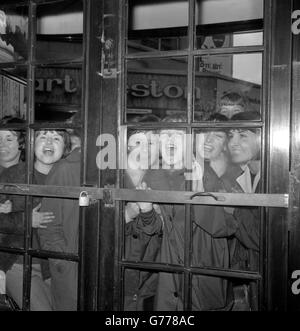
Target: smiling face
(244,146)
(49,147)
(214,144)
(9,148)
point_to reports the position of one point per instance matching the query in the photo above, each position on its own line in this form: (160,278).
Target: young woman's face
(9,148)
(244,146)
(214,144)
(49,147)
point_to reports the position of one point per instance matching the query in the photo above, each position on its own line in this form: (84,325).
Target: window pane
(245,296)
(13,33)
(157,25)
(13,92)
(218,22)
(148,291)
(11,281)
(59,30)
(211,293)
(248,39)
(58,93)
(227,84)
(157,87)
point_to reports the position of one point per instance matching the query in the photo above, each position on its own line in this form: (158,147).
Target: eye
(244,135)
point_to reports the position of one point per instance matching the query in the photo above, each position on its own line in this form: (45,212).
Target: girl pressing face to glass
(12,143)
(50,147)
(244,146)
(9,148)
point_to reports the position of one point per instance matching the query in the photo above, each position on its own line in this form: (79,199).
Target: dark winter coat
(61,235)
(12,225)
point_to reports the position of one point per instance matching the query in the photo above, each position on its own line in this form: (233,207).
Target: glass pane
(58,93)
(248,39)
(62,276)
(13,92)
(60,30)
(211,293)
(40,295)
(219,21)
(157,87)
(227,84)
(11,281)
(148,291)
(157,25)
(245,296)
(13,34)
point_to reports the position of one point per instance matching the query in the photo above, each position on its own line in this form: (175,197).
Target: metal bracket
(108,198)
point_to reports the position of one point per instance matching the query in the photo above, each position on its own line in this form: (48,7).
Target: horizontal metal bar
(53,255)
(195,125)
(196,52)
(207,271)
(40,253)
(53,125)
(179,197)
(10,250)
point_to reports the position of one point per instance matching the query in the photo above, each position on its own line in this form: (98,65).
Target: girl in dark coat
(50,146)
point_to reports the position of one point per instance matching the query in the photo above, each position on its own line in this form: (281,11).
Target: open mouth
(207,148)
(4,151)
(49,151)
(171,150)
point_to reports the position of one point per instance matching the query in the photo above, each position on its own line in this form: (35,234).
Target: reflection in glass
(156,86)
(248,39)
(13,98)
(60,30)
(218,21)
(227,84)
(157,25)
(58,93)
(13,33)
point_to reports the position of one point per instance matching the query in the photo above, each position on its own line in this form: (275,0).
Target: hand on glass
(41,219)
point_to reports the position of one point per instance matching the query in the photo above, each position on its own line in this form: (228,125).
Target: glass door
(200,200)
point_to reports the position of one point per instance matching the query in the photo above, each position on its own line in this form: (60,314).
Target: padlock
(84,199)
